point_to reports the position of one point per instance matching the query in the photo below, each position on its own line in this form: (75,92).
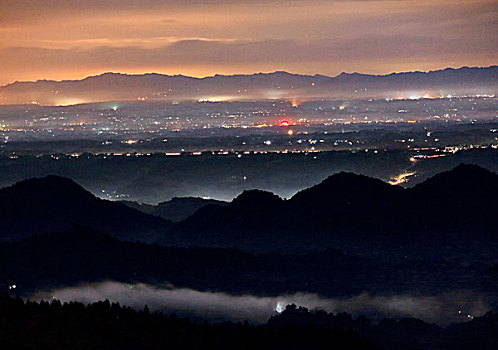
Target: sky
(72,39)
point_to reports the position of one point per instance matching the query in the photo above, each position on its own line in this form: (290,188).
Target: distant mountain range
(453,212)
(262,86)
(176,209)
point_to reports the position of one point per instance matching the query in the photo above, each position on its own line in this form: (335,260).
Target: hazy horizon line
(247,74)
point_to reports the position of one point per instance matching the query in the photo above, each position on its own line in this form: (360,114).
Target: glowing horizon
(65,40)
(248,73)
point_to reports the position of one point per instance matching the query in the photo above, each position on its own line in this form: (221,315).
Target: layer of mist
(216,306)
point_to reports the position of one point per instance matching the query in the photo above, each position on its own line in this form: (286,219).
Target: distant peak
(470,167)
(107,75)
(345,74)
(470,176)
(347,177)
(256,197)
(50,184)
(278,72)
(113,73)
(345,183)
(465,169)
(351,75)
(49,179)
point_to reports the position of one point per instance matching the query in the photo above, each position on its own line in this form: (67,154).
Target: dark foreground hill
(454,209)
(82,255)
(408,333)
(102,325)
(464,196)
(110,326)
(451,215)
(54,203)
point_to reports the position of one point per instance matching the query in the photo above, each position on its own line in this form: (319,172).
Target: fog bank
(441,309)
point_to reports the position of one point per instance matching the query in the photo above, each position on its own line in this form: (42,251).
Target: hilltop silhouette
(454,209)
(54,203)
(454,206)
(103,325)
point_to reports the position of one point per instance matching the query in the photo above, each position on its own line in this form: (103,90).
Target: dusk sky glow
(71,39)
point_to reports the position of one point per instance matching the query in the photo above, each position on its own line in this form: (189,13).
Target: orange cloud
(70,38)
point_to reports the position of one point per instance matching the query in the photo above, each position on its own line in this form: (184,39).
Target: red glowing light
(284,123)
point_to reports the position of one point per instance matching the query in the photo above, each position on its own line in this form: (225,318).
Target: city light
(402,178)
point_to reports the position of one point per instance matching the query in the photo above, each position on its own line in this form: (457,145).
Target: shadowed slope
(55,203)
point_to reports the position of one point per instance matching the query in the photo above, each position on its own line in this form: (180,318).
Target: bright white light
(279,308)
